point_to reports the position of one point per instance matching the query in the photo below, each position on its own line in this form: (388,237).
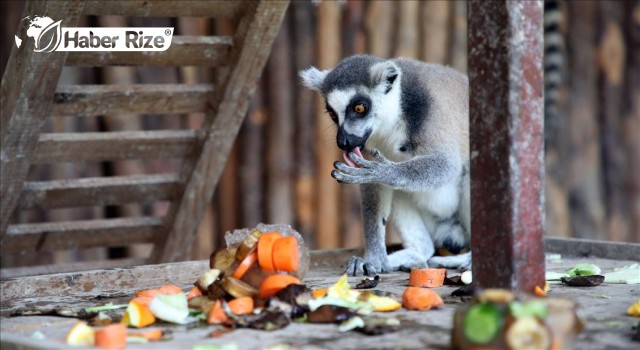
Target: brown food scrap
(368,283)
(453,280)
(330,314)
(583,281)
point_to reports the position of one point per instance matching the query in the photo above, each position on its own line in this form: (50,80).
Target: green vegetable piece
(584,269)
(106,307)
(482,323)
(532,308)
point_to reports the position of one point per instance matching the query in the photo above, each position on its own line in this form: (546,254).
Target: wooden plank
(186,8)
(255,35)
(43,271)
(506,132)
(207,51)
(99,191)
(51,236)
(94,100)
(28,83)
(97,146)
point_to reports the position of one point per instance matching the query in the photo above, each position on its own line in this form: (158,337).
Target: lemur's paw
(367,171)
(359,266)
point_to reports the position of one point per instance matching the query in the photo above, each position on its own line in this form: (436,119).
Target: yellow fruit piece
(81,334)
(383,303)
(138,315)
(634,310)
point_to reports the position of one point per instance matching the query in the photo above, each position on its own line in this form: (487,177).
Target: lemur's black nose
(347,142)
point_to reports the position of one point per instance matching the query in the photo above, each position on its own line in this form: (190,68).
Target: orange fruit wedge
(81,334)
(138,315)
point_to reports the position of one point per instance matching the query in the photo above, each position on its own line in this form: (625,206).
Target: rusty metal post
(507,153)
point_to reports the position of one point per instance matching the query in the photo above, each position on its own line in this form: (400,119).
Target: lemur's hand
(369,171)
(368,266)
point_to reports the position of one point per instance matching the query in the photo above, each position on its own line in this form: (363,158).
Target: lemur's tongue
(345,155)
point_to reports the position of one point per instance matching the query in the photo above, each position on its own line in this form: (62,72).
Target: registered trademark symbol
(167,32)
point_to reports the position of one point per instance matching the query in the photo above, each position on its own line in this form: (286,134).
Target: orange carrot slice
(241,306)
(194,292)
(216,315)
(149,334)
(169,289)
(431,278)
(112,337)
(81,334)
(274,283)
(319,293)
(286,254)
(265,250)
(416,298)
(149,293)
(144,301)
(244,266)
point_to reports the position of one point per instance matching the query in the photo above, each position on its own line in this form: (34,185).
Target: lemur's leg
(376,205)
(462,262)
(452,235)
(416,174)
(418,247)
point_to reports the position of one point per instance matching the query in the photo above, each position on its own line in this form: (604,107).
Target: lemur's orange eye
(359,108)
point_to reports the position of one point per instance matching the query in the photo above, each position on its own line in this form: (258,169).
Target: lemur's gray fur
(416,173)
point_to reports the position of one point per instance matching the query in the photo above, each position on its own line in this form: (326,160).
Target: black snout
(347,141)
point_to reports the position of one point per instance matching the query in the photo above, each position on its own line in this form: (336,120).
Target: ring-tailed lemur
(412,118)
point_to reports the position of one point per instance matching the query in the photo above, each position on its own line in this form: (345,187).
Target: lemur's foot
(359,266)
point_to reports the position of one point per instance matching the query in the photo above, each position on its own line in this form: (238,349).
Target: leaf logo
(50,38)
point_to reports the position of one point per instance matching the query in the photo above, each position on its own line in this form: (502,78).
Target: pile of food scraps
(255,282)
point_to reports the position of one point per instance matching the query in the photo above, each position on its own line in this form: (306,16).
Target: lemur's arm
(417,174)
(376,206)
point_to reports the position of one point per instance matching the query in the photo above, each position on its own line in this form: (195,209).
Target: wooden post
(507,155)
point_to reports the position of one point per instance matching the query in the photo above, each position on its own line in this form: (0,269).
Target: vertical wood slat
(506,128)
(258,30)
(27,86)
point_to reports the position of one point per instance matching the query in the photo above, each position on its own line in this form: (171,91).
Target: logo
(50,36)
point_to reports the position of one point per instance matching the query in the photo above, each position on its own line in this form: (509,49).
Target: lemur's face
(351,110)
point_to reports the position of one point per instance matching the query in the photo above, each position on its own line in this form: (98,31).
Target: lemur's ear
(383,75)
(313,78)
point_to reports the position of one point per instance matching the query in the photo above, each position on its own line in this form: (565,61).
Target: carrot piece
(431,278)
(265,250)
(216,315)
(112,337)
(286,254)
(149,334)
(194,292)
(274,283)
(241,306)
(416,298)
(244,266)
(169,289)
(150,293)
(319,293)
(143,300)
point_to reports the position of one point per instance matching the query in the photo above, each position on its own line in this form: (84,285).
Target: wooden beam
(94,100)
(254,36)
(52,236)
(80,266)
(113,190)
(98,146)
(506,128)
(183,8)
(206,51)
(29,80)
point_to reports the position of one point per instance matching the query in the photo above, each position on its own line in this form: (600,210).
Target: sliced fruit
(171,308)
(319,293)
(247,245)
(481,323)
(533,308)
(139,315)
(527,333)
(265,250)
(237,288)
(496,295)
(81,334)
(207,278)
(222,259)
(380,304)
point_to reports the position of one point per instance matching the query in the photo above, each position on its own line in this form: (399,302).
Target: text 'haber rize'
(132,39)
